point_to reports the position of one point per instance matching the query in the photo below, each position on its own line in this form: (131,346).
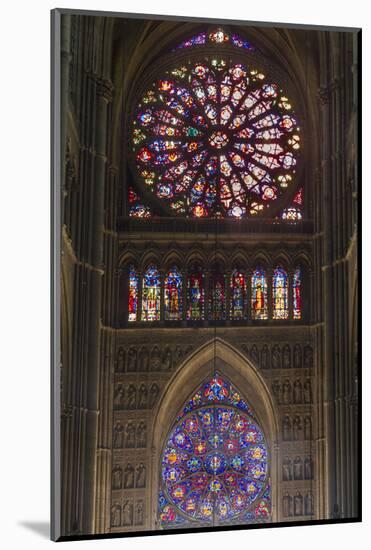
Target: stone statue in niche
(178,355)
(276,357)
(307,428)
(130,435)
(142,397)
(298,468)
(298,504)
(254,355)
(287,505)
(115,515)
(117,477)
(286,392)
(276,387)
(308,391)
(167,362)
(120,361)
(308,504)
(129,476)
(132,397)
(264,357)
(298,392)
(155,359)
(139,513)
(119,397)
(140,476)
(132,360)
(297,357)
(143,360)
(297,428)
(153,393)
(308,468)
(118,435)
(287,428)
(287,469)
(286,357)
(308,357)
(141,435)
(127,513)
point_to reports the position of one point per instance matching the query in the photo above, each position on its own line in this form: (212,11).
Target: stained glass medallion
(215,462)
(215,138)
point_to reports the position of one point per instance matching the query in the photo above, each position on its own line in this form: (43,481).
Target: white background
(24,273)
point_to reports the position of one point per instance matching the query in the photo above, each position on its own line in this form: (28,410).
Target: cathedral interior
(208,274)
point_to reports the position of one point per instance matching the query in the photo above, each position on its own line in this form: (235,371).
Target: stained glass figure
(136,207)
(133,294)
(151,295)
(217,36)
(217,309)
(238,293)
(280,294)
(215,138)
(296,291)
(195,295)
(259,295)
(215,465)
(173,295)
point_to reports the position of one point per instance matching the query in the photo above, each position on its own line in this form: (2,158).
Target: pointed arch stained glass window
(173,295)
(133,294)
(217,310)
(280,294)
(195,295)
(296,290)
(238,293)
(215,464)
(151,295)
(259,295)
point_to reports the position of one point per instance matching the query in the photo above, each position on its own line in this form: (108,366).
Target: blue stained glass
(280,294)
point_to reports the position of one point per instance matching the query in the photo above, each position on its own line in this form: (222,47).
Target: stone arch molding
(219,355)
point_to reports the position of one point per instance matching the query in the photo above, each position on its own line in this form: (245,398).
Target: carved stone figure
(287,505)
(167,361)
(308,468)
(286,392)
(119,397)
(307,428)
(298,468)
(287,429)
(130,435)
(118,435)
(153,393)
(308,391)
(141,435)
(129,476)
(297,357)
(115,515)
(120,361)
(308,357)
(276,357)
(286,357)
(287,469)
(264,357)
(132,397)
(155,359)
(140,476)
(308,504)
(276,387)
(298,392)
(254,355)
(297,428)
(142,397)
(178,355)
(139,513)
(298,504)
(143,360)
(127,513)
(117,477)
(132,360)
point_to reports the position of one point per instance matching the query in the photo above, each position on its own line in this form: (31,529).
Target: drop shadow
(41,528)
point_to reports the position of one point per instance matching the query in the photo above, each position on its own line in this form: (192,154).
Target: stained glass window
(136,207)
(259,295)
(238,293)
(173,295)
(195,295)
(217,36)
(280,294)
(217,297)
(215,462)
(296,291)
(151,295)
(215,138)
(294,212)
(133,294)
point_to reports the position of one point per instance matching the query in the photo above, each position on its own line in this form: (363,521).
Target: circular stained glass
(215,139)
(214,464)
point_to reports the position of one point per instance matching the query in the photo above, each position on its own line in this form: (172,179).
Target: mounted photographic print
(206,190)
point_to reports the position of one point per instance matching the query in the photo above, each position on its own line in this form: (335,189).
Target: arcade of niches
(209,275)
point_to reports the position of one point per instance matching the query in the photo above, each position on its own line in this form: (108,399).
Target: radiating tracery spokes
(217,139)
